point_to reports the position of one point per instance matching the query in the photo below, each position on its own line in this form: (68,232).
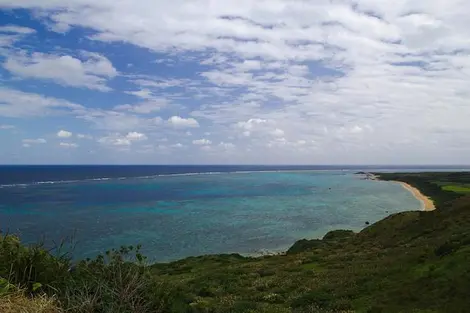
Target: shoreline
(426,203)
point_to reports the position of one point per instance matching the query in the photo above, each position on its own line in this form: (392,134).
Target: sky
(234,82)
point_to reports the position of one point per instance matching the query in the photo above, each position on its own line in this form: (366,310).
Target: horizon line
(254,164)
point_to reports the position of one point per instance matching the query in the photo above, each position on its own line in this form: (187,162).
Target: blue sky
(270,82)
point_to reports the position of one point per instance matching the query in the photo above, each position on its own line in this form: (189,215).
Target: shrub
(118,281)
(304,245)
(338,234)
(32,267)
(445,249)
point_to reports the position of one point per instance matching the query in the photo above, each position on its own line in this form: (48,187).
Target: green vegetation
(440,186)
(118,281)
(408,262)
(456,188)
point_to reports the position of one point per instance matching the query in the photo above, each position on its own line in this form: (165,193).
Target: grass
(456,188)
(14,300)
(407,262)
(17,302)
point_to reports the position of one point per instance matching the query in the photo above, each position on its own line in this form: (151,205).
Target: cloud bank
(279,81)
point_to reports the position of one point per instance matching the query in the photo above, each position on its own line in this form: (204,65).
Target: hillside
(408,262)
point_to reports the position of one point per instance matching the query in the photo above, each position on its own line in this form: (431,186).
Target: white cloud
(158,83)
(114,141)
(15,103)
(277,132)
(117,121)
(7,127)
(68,145)
(251,123)
(64,134)
(356,129)
(257,127)
(142,93)
(84,136)
(9,34)
(34,141)
(363,77)
(91,71)
(110,120)
(144,107)
(151,103)
(181,122)
(177,145)
(135,136)
(227,145)
(122,140)
(15,29)
(202,142)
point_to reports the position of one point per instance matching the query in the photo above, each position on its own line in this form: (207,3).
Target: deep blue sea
(180,211)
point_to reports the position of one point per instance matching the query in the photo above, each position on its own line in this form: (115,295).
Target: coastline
(426,203)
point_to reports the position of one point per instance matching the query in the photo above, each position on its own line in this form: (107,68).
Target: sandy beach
(426,202)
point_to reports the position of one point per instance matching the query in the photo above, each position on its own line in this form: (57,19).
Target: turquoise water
(185,215)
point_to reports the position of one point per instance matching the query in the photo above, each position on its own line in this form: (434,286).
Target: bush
(447,248)
(304,245)
(119,281)
(32,268)
(338,234)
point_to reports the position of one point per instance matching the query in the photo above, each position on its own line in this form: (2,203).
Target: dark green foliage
(321,299)
(446,248)
(431,184)
(304,245)
(338,234)
(27,266)
(408,262)
(115,282)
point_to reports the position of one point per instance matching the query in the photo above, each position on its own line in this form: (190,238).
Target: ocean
(181,211)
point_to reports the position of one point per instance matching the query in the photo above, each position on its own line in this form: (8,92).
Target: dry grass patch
(17,302)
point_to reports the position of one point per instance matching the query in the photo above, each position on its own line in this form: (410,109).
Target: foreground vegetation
(408,262)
